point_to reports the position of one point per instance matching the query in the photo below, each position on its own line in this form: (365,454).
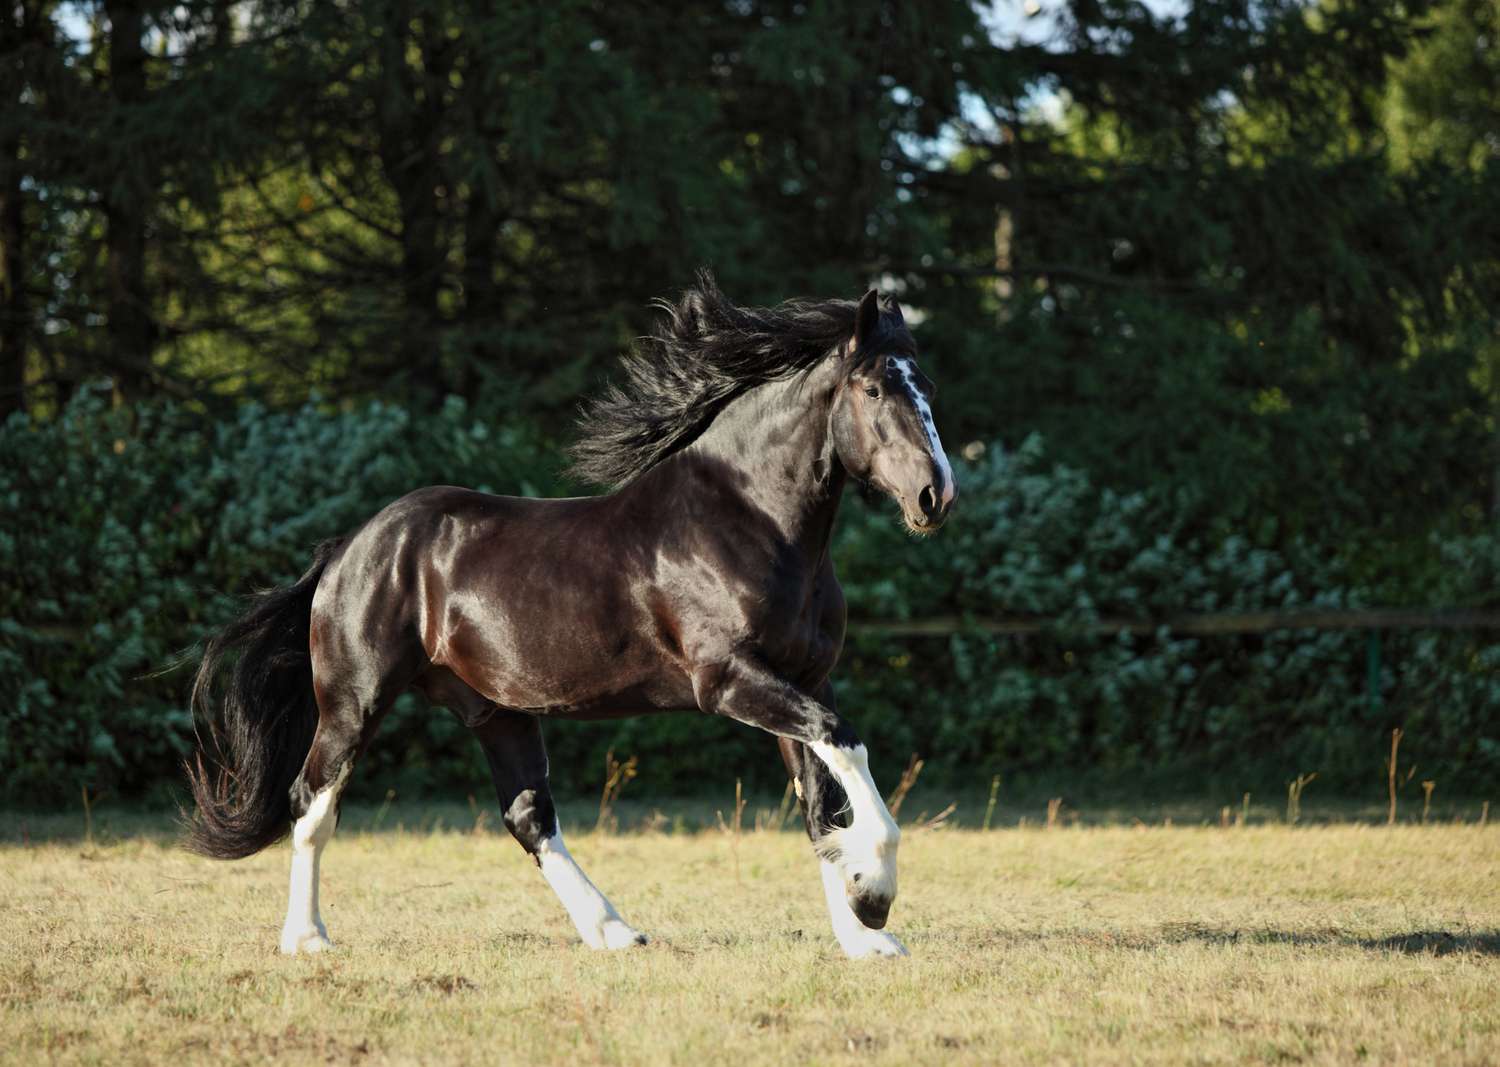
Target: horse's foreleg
(860,859)
(854,937)
(826,810)
(518,764)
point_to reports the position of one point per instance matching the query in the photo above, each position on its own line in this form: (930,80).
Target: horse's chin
(912,518)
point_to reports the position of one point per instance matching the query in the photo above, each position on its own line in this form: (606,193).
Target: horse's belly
(589,699)
(555,669)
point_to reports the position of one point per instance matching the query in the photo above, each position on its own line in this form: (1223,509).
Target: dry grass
(1073,945)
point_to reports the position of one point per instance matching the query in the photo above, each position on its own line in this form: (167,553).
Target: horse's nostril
(856,877)
(927,499)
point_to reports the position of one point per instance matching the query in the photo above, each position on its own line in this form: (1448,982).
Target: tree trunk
(409,114)
(421,270)
(1495,445)
(1005,234)
(127,202)
(481,293)
(15,313)
(223,22)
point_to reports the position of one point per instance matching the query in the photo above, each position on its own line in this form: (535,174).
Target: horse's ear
(895,309)
(867,318)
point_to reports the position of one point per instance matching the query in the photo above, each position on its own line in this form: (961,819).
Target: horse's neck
(776,438)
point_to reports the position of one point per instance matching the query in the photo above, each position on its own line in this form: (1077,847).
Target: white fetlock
(303,931)
(305,942)
(598,923)
(867,846)
(616,934)
(868,943)
(859,861)
(856,939)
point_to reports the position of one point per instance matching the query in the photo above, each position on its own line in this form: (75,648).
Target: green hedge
(1223,711)
(127,533)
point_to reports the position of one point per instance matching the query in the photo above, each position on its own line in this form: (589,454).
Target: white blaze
(924,411)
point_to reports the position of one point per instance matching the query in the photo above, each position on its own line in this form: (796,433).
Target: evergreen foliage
(127,529)
(1237,260)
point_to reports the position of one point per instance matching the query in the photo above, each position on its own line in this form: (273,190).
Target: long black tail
(262,729)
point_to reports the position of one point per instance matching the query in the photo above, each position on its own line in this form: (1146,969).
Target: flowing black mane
(704,352)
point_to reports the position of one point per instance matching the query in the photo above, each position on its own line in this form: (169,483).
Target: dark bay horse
(702,581)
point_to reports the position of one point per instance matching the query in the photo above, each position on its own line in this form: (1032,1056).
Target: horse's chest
(806,657)
(801,636)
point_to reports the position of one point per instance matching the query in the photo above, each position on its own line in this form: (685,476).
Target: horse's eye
(872,392)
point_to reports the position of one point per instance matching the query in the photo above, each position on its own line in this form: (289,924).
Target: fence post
(1372,672)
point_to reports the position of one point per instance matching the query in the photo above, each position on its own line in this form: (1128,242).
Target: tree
(32,79)
(1441,105)
(1244,248)
(1223,281)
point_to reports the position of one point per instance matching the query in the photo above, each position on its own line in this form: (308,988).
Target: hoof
(874,943)
(306,943)
(616,934)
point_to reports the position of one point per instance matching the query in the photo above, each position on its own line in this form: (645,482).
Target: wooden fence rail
(1371,620)
(1253,622)
(1250,622)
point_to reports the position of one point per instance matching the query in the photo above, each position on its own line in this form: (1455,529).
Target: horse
(699,581)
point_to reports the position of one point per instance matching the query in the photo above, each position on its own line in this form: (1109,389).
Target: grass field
(1260,944)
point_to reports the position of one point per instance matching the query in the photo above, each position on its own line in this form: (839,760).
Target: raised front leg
(825,810)
(518,764)
(859,858)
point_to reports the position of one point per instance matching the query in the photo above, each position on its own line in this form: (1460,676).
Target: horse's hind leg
(348,713)
(518,763)
(315,799)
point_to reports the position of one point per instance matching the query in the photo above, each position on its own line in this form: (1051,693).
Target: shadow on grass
(1414,943)
(103,827)
(114,824)
(1438,943)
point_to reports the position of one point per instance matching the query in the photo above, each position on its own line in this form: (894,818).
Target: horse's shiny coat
(701,583)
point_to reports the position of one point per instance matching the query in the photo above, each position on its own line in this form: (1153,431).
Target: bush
(1033,539)
(129,533)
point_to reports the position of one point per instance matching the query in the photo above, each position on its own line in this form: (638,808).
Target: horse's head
(882,419)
